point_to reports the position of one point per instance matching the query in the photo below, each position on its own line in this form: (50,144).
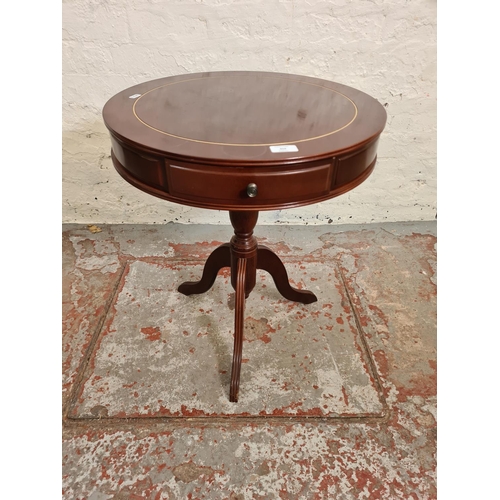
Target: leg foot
(219,258)
(238,330)
(270,262)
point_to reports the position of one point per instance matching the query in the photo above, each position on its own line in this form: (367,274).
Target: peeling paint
(120,441)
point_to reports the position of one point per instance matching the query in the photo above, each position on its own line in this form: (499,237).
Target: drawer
(147,170)
(352,166)
(229,185)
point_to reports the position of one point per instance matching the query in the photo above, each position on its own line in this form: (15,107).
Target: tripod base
(244,256)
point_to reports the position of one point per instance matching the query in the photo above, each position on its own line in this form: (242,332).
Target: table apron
(225,187)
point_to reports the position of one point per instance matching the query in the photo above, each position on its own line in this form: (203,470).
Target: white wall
(384,48)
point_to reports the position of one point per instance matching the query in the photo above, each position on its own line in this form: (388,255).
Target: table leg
(238,329)
(268,261)
(243,275)
(219,258)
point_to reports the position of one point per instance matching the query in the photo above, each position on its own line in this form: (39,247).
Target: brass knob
(252,190)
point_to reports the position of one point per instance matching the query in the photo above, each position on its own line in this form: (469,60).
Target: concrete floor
(337,398)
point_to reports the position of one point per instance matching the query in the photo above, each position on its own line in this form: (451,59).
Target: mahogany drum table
(244,142)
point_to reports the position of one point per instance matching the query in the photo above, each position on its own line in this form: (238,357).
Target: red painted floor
(337,398)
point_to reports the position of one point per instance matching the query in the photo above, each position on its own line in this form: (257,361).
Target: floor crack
(371,363)
(91,347)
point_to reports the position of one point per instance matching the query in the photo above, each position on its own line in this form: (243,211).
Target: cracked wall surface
(386,49)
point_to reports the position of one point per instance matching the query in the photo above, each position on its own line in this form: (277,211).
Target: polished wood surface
(200,139)
(244,142)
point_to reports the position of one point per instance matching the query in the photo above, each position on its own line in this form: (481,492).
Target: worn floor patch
(389,273)
(162,354)
(90,272)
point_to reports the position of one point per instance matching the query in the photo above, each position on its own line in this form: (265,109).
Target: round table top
(233,117)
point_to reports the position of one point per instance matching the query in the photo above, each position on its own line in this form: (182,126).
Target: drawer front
(352,166)
(148,170)
(229,185)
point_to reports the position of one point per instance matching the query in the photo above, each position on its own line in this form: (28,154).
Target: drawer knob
(252,190)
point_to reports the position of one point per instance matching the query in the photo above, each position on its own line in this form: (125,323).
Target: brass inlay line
(240,144)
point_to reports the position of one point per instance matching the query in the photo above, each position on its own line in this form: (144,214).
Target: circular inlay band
(153,113)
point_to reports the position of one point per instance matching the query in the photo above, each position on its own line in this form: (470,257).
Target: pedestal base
(244,256)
